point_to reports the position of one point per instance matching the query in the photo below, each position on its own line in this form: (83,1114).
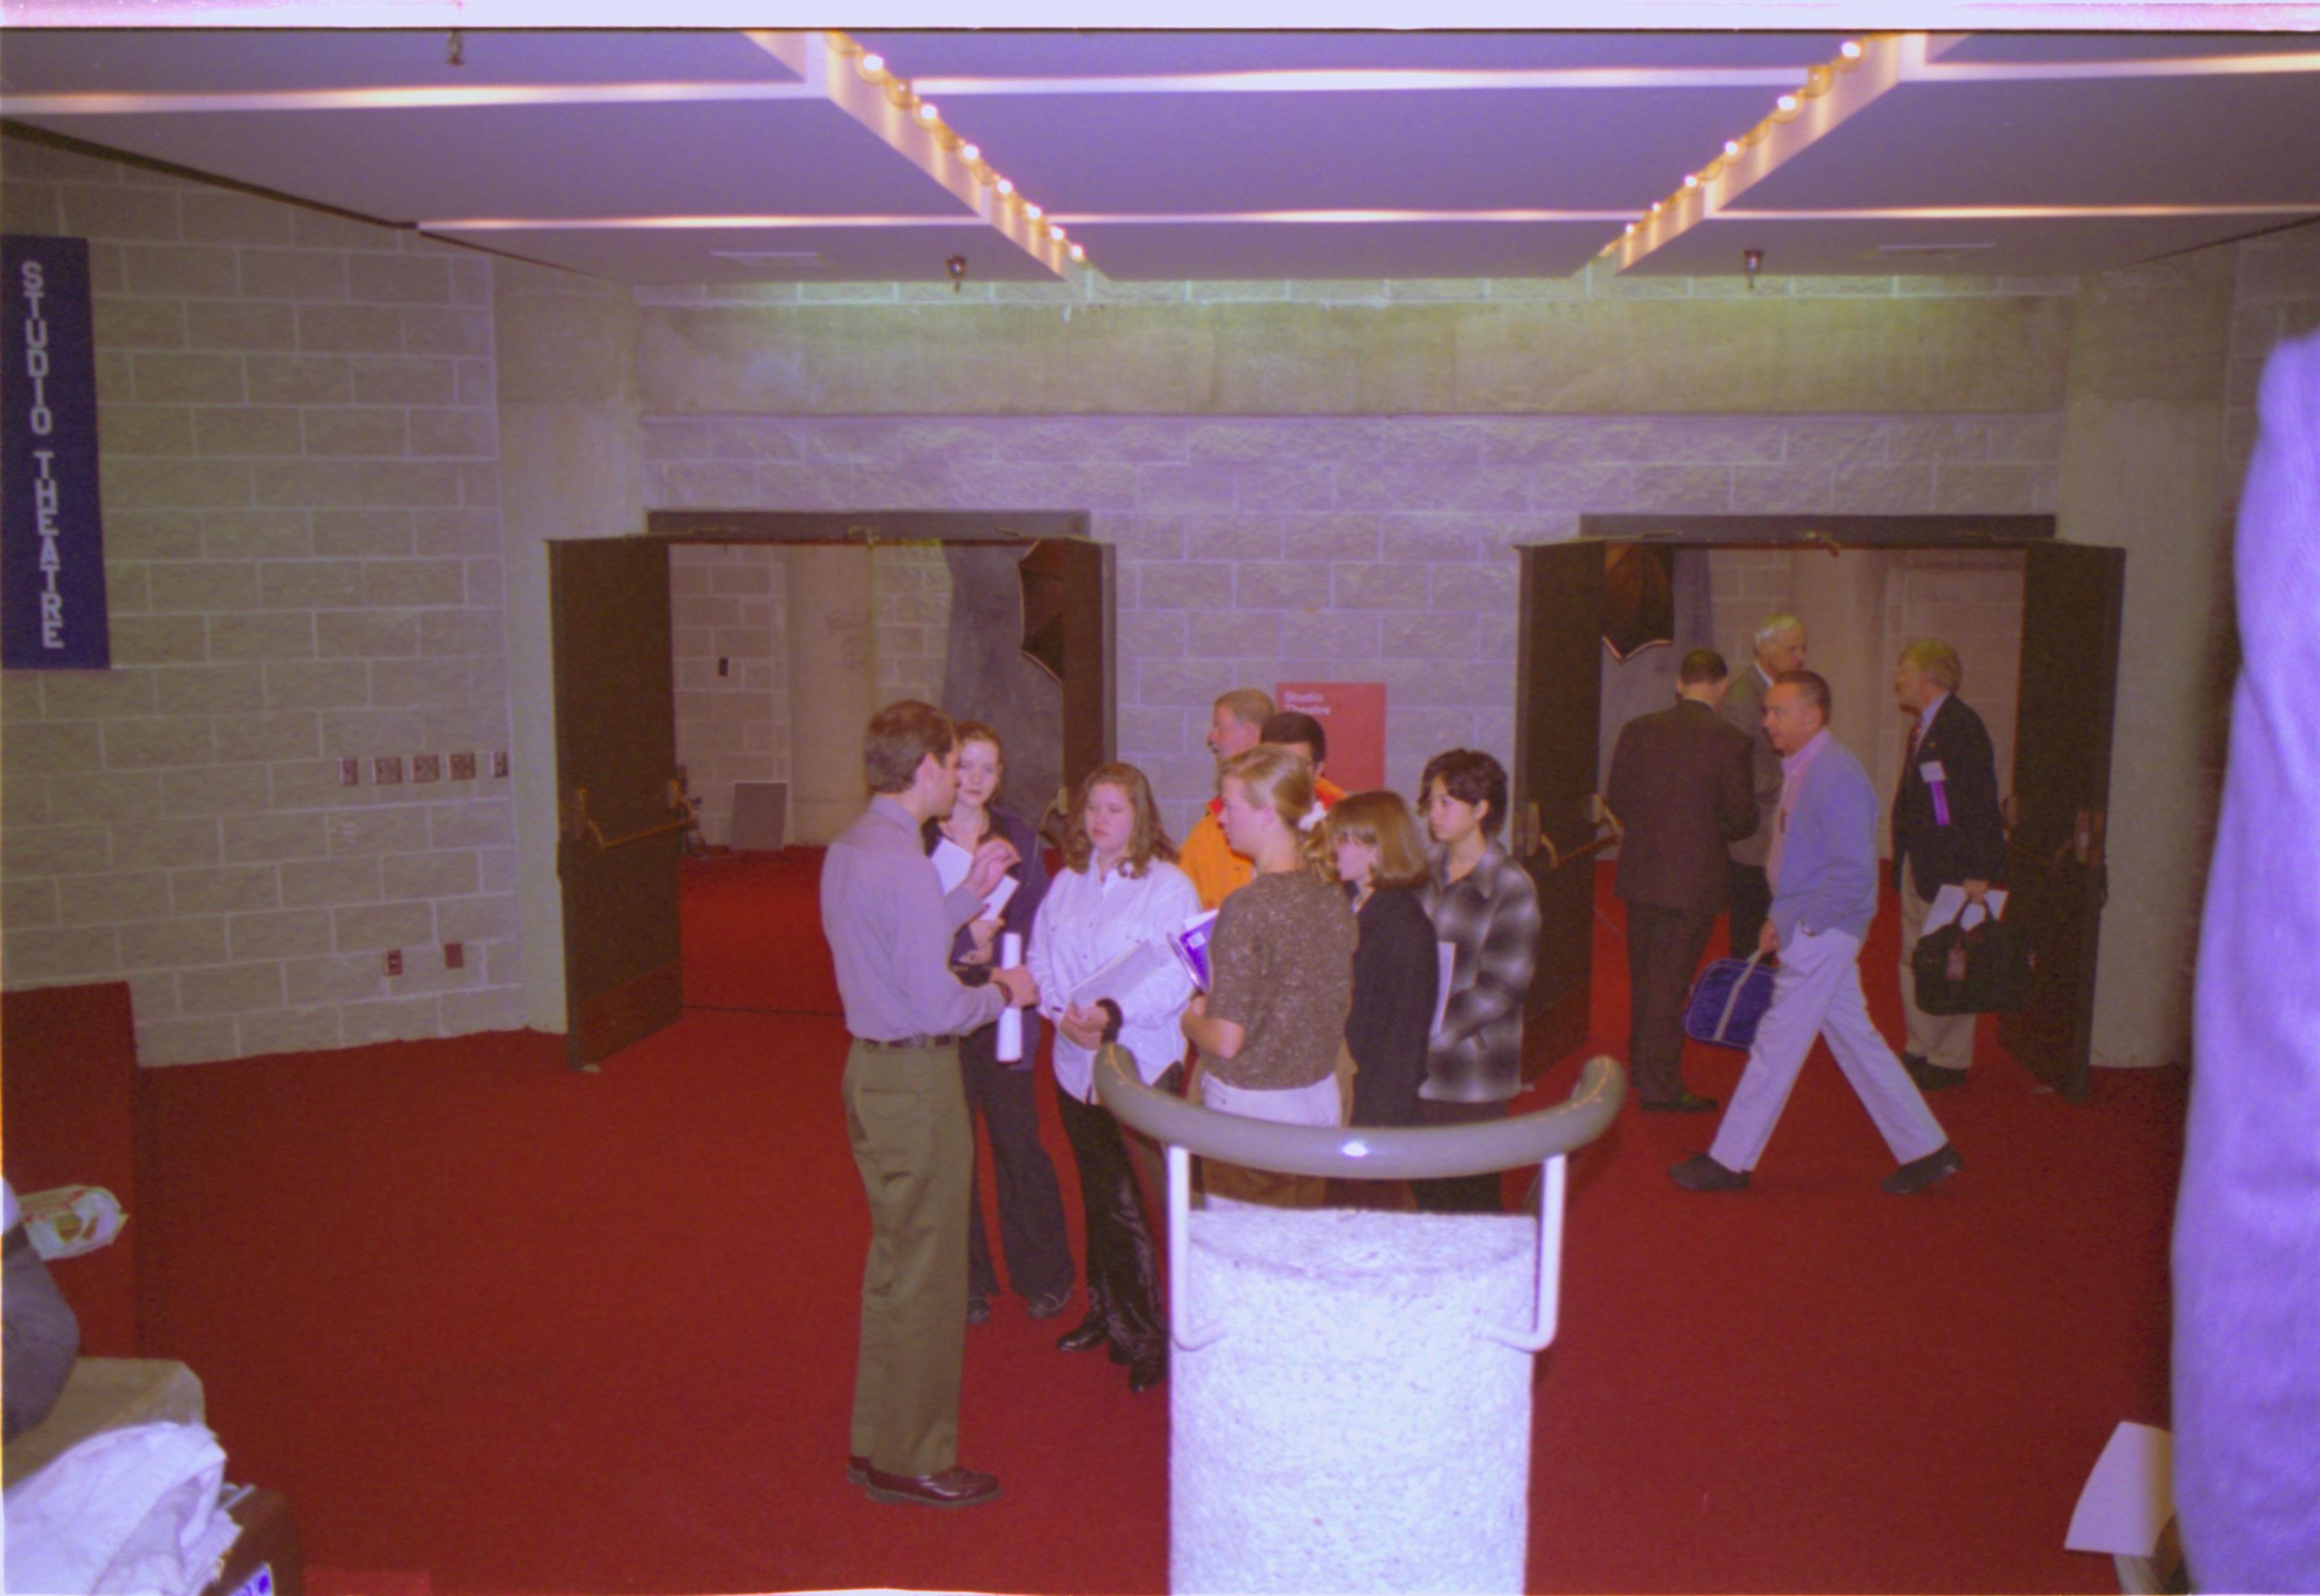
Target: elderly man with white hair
(1946,832)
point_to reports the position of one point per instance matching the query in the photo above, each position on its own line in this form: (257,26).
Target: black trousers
(1663,949)
(1751,901)
(1459,1193)
(1030,1202)
(1123,1265)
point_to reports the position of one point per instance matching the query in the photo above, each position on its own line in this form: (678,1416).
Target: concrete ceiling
(723,155)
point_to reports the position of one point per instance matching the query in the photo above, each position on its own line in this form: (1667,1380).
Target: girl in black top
(1380,857)
(1030,1202)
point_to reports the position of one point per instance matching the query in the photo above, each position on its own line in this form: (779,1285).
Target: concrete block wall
(303,538)
(909,584)
(1253,551)
(731,671)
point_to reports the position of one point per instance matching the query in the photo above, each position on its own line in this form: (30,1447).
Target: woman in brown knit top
(1280,966)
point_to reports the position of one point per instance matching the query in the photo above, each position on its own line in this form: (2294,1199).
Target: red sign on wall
(1353,715)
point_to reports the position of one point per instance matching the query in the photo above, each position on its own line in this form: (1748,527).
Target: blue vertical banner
(52,614)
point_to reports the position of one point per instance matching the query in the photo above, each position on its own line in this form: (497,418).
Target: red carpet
(526,1331)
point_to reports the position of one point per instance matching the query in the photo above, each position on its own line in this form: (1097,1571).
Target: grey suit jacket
(1744,706)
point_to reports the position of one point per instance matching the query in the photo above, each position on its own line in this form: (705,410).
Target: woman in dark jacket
(1030,1204)
(1380,857)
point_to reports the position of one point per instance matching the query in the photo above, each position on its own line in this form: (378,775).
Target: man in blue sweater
(1823,871)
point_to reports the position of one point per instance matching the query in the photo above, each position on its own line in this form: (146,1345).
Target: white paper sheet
(2130,1496)
(1124,974)
(1949,902)
(1447,952)
(997,902)
(951,863)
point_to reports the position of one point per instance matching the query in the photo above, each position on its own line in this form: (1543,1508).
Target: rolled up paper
(1011,1018)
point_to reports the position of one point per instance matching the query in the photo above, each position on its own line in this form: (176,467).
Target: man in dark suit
(1680,788)
(1946,832)
(1778,645)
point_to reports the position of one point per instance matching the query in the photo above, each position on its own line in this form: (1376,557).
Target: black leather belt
(906,1044)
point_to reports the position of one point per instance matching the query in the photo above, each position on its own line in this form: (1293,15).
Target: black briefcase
(1981,969)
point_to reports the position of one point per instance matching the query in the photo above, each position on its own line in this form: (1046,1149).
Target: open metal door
(2070,598)
(1558,724)
(621,812)
(1067,628)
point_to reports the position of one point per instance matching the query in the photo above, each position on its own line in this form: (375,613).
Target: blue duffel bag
(1726,1002)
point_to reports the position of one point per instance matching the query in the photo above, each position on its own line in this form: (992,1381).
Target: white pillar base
(1349,1429)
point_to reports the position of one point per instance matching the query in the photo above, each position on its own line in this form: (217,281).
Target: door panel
(1558,723)
(1067,628)
(2070,602)
(622,823)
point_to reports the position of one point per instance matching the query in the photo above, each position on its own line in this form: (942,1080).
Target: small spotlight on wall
(1752,261)
(956,266)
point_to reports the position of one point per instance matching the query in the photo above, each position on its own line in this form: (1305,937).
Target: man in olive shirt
(889,928)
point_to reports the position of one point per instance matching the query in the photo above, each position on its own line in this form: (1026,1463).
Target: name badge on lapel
(1930,772)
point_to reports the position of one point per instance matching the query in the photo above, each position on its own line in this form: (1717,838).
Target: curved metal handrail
(1368,1153)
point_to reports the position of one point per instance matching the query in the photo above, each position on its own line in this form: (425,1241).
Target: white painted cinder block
(1350,1429)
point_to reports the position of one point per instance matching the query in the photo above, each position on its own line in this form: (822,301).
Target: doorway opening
(713,678)
(2037,622)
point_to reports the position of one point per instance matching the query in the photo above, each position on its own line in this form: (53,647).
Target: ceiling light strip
(859,83)
(1830,93)
(1332,218)
(709,223)
(1340,80)
(2018,213)
(399,97)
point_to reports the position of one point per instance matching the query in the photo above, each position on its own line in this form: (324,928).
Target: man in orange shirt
(1236,724)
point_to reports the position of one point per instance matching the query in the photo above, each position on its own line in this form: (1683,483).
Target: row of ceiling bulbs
(872,67)
(1816,83)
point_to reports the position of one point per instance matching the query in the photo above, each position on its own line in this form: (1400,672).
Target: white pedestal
(1349,1429)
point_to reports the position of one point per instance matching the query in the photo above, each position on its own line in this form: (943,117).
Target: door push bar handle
(1597,810)
(578,827)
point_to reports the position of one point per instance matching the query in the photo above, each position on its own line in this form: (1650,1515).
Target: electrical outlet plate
(386,770)
(427,768)
(463,767)
(455,955)
(350,773)
(394,961)
(499,762)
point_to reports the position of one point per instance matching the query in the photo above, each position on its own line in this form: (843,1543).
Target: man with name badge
(1947,831)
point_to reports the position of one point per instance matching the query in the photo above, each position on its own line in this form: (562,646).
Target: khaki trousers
(913,1143)
(1943,1040)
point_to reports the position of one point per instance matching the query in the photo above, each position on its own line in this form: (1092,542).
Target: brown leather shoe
(954,1487)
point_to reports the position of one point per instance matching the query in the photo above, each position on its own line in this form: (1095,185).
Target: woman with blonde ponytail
(1281,973)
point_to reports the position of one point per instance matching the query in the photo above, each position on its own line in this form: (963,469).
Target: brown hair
(898,739)
(968,732)
(1472,777)
(1384,821)
(1812,687)
(1147,841)
(1249,706)
(1277,779)
(1701,665)
(1294,726)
